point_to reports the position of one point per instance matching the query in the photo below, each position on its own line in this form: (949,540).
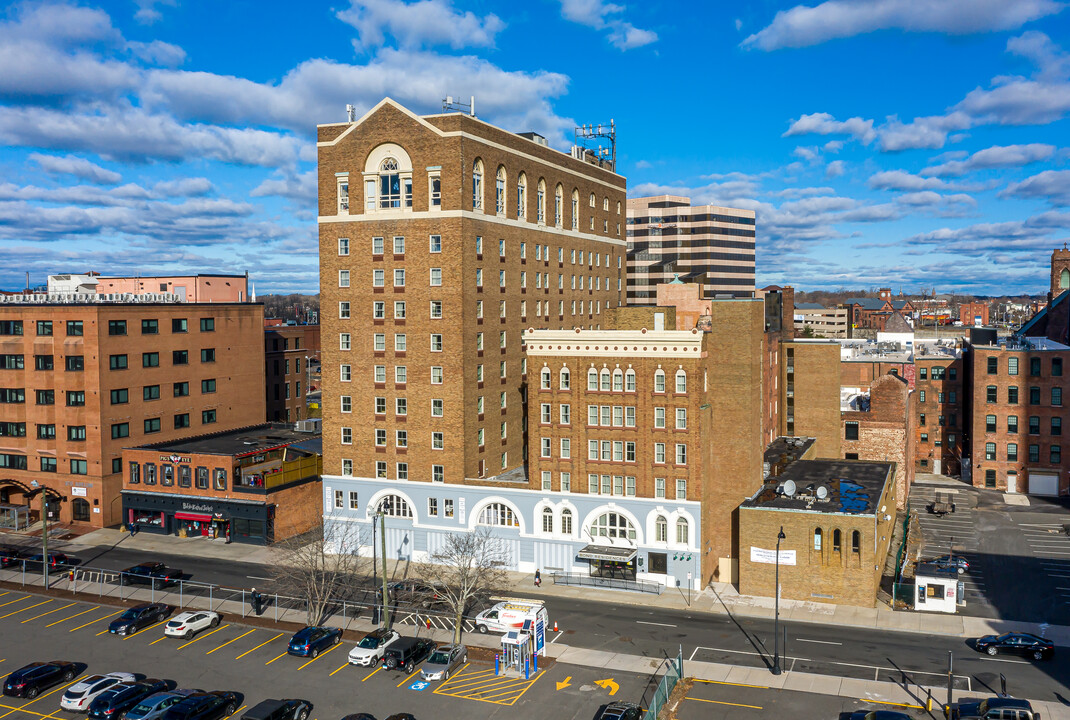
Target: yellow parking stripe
(371,673)
(48,613)
(6,592)
(722,682)
(719,702)
(162,637)
(150,627)
(480,685)
(322,654)
(275,658)
(259,646)
(201,637)
(341,668)
(228,642)
(410,677)
(72,617)
(491,685)
(95,620)
(12,602)
(888,702)
(31,607)
(28,712)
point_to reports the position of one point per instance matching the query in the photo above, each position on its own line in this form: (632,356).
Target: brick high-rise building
(442,238)
(289,353)
(706,244)
(83,375)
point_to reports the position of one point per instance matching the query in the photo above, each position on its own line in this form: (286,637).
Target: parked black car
(11,555)
(994,708)
(117,699)
(956,562)
(1026,644)
(28,681)
(312,640)
(620,711)
(406,653)
(138,617)
(289,709)
(155,573)
(359,716)
(214,705)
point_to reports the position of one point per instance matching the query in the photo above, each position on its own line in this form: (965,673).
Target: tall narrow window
(558,205)
(390,194)
(540,202)
(521,197)
(477,185)
(499,191)
(575,209)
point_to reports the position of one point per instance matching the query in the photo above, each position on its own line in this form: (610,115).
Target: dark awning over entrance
(607,552)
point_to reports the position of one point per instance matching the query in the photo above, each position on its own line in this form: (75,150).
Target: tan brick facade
(885,431)
(810,394)
(486,260)
(151,381)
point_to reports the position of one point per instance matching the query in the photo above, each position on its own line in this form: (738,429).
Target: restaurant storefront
(192,516)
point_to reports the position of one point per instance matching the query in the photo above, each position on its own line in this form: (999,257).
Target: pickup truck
(994,708)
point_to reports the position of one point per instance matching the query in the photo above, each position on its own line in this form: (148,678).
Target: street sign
(419,685)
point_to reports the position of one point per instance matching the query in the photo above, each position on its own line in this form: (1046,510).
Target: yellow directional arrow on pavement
(564,683)
(608,684)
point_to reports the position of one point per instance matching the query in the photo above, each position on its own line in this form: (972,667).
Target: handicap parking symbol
(419,685)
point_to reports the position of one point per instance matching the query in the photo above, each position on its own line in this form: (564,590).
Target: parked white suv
(189,623)
(79,695)
(372,646)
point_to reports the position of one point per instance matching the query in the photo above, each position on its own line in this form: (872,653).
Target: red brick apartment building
(288,352)
(83,376)
(940,407)
(441,239)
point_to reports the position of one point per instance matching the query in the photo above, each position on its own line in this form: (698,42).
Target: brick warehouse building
(940,406)
(288,351)
(84,375)
(441,239)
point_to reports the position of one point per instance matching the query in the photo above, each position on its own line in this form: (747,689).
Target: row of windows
(611,381)
(1055,453)
(991,424)
(76,328)
(950,397)
(543,253)
(1034,366)
(938,373)
(75,433)
(120,396)
(154,425)
(1055,395)
(184,475)
(542,280)
(837,540)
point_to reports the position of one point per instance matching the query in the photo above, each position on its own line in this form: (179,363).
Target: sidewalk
(720,598)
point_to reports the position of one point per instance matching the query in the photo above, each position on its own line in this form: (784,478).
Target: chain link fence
(674,670)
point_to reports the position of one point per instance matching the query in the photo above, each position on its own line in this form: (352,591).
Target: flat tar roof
(242,441)
(853,487)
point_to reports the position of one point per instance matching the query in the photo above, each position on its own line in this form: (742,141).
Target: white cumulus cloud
(425,23)
(76,166)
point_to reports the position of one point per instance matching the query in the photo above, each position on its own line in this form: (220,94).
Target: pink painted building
(189,288)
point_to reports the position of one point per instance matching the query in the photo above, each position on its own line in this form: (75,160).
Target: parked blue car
(311,641)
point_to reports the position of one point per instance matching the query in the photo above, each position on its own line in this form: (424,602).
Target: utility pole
(44,533)
(776,612)
(386,596)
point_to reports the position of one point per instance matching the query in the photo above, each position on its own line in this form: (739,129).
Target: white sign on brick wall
(761,555)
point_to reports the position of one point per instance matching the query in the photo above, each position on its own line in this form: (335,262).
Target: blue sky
(908,143)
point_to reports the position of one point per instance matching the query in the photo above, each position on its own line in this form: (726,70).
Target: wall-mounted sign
(197,507)
(176,459)
(761,555)
(78,491)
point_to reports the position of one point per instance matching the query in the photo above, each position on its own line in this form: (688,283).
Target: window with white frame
(380,469)
(436,342)
(343,194)
(629,416)
(681,418)
(401,406)
(566,448)
(540,202)
(380,437)
(681,381)
(401,438)
(345,373)
(575,209)
(399,245)
(659,381)
(379,310)
(499,515)
(343,310)
(378,278)
(659,453)
(521,197)
(564,379)
(499,191)
(547,513)
(344,341)
(347,469)
(681,531)
(377,246)
(399,277)
(432,507)
(438,474)
(347,436)
(435,244)
(434,191)
(565,414)
(400,342)
(380,373)
(681,489)
(544,413)
(545,447)
(477,185)
(566,486)
(343,246)
(401,374)
(681,454)
(436,310)
(613,525)
(399,309)
(436,375)
(395,187)
(661,529)
(378,342)
(659,488)
(436,407)
(346,403)
(436,277)
(394,506)
(343,278)
(438,441)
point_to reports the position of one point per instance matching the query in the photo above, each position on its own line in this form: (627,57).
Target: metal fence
(563,578)
(674,670)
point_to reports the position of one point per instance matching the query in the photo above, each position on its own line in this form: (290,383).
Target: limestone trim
(410,214)
(614,343)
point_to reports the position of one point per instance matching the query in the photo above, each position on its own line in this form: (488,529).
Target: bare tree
(467,566)
(322,565)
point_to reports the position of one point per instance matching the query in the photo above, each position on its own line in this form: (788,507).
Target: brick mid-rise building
(82,376)
(290,351)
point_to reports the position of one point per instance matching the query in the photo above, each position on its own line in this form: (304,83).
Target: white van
(511,615)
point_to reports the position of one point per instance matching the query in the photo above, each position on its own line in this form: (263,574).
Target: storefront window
(167,475)
(184,476)
(146,517)
(135,473)
(150,473)
(202,478)
(220,479)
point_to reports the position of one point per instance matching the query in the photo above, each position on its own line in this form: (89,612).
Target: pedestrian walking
(538,579)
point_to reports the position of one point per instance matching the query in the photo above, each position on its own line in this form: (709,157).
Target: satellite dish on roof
(789,487)
(822,492)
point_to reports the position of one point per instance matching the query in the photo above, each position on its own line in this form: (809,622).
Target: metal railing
(674,670)
(564,578)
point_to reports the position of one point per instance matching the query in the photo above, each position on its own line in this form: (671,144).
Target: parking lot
(252,661)
(1019,552)
(707,700)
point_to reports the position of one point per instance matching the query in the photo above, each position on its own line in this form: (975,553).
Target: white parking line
(822,642)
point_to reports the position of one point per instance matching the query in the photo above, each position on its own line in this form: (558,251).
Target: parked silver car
(443,661)
(154,706)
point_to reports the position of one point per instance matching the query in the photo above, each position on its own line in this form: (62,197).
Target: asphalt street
(842,651)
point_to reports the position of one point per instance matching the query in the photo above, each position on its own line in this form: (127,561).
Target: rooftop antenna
(351,113)
(592,135)
(451,105)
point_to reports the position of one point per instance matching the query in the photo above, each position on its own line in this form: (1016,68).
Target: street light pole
(776,602)
(386,597)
